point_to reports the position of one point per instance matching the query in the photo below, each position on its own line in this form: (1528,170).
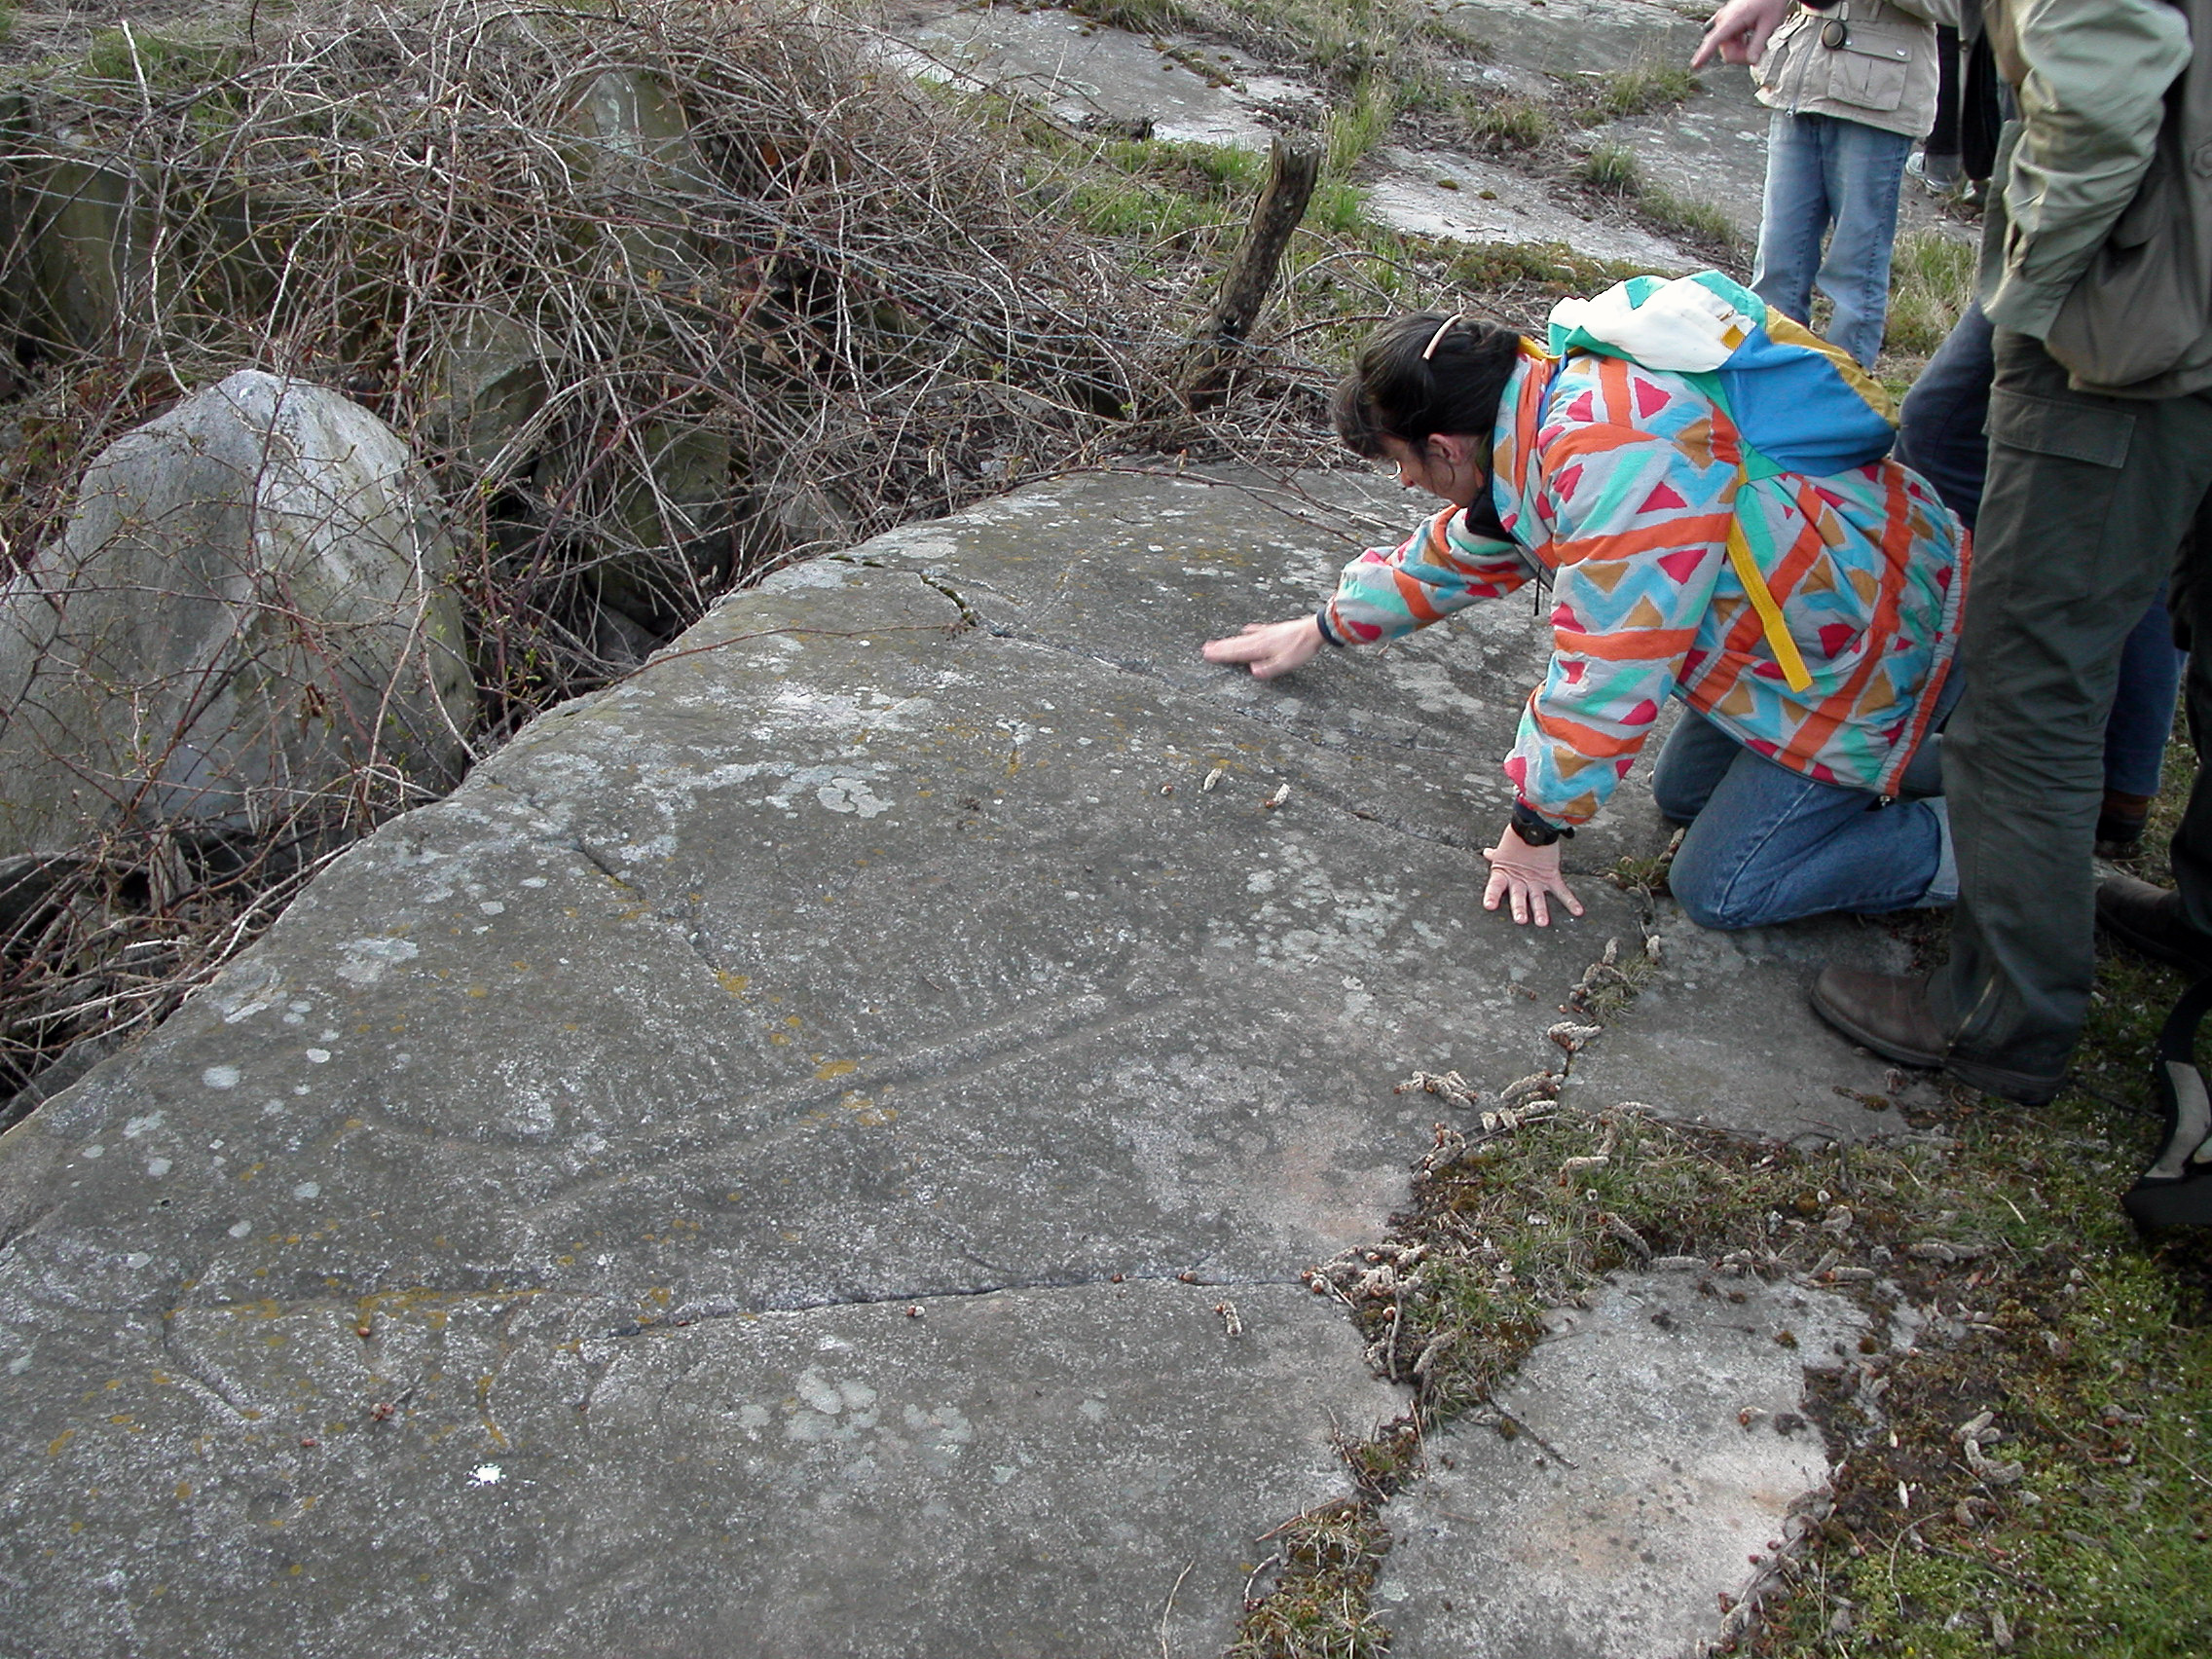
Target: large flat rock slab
(881,947)
(1027,1473)
(1723,1032)
(1661,1458)
(531,1219)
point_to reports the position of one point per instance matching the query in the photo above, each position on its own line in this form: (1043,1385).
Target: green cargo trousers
(2085,504)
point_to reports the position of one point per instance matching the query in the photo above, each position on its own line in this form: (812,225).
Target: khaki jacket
(1880,72)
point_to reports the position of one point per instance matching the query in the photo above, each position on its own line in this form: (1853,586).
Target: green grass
(1700,221)
(1356,126)
(1930,283)
(1549,268)
(1611,168)
(167,63)
(2090,1346)
(1642,88)
(1505,124)
(1138,16)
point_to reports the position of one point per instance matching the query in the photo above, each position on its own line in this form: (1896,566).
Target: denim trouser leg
(2086,499)
(1823,172)
(2142,716)
(1793,215)
(1768,845)
(1696,757)
(1940,427)
(1865,168)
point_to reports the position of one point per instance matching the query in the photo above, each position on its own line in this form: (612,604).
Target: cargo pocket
(1869,69)
(2071,432)
(2054,478)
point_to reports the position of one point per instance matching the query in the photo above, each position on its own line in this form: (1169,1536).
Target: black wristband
(1328,634)
(1535,829)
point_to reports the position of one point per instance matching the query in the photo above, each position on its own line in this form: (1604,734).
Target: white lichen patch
(367,959)
(851,795)
(1430,689)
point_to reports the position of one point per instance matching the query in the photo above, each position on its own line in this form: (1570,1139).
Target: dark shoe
(2176,1191)
(2120,822)
(1888,1012)
(2148,920)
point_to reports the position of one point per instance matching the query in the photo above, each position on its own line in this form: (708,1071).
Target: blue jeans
(1767,844)
(1940,436)
(1822,170)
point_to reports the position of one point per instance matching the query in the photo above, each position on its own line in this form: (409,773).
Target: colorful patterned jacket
(1620,482)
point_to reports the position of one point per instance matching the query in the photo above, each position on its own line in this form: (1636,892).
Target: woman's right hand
(1271,647)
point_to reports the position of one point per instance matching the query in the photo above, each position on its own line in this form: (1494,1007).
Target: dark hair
(1396,392)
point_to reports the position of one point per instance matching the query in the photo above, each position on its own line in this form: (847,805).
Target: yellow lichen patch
(779,1037)
(478,991)
(736,984)
(120,1416)
(54,1447)
(835,1069)
(184,1492)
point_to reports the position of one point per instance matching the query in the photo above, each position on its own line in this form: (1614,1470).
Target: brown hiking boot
(1888,1012)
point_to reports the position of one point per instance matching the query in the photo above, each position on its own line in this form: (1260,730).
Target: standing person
(1852,84)
(1937,165)
(1940,436)
(2100,426)
(1725,530)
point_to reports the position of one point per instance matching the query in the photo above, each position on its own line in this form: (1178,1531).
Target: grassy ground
(2072,1353)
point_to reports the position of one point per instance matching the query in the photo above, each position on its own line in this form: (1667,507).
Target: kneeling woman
(1705,488)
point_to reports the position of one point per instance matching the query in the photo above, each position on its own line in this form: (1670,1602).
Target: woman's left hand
(1531,874)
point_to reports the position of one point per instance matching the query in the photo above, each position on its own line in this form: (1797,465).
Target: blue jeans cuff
(1943,886)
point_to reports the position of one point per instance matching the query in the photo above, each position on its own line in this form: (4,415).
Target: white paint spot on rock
(486,1474)
(96,1150)
(242,1228)
(158,1166)
(492,907)
(308,1190)
(220,1077)
(318,1057)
